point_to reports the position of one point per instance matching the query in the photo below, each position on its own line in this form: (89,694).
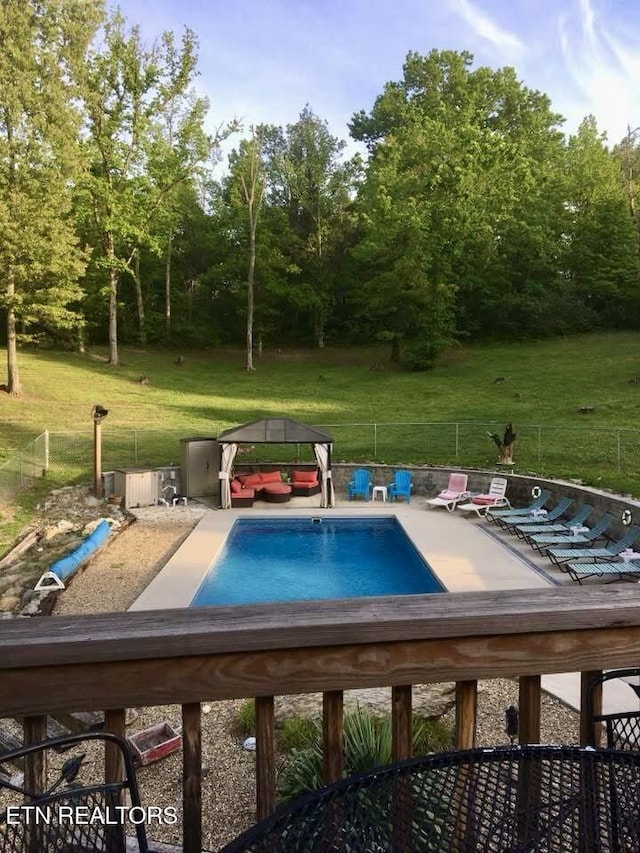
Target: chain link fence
(553,451)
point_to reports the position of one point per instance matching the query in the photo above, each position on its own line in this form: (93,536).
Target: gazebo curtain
(323,458)
(226,465)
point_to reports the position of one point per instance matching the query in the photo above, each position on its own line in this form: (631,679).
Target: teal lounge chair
(538,503)
(590,535)
(617,570)
(609,552)
(555,512)
(401,486)
(361,484)
(526,530)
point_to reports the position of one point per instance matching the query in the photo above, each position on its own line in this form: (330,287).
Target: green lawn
(545,383)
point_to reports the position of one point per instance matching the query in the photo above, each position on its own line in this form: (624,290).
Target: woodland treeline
(472,215)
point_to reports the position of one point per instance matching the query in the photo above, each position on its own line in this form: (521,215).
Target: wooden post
(35,774)
(332,735)
(114,722)
(192,778)
(265,757)
(97,458)
(401,722)
(590,735)
(466,712)
(529,699)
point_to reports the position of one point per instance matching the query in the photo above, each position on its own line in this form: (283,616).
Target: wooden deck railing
(112,662)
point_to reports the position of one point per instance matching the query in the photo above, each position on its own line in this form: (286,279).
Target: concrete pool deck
(465,553)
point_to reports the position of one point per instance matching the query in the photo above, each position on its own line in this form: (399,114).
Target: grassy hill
(542,387)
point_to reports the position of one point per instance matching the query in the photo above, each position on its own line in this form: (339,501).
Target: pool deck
(466,553)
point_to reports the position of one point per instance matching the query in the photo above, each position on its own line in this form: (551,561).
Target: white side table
(379,490)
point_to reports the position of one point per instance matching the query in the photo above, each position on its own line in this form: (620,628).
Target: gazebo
(275,431)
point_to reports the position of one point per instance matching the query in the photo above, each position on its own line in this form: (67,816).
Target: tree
(251,175)
(600,258)
(44,45)
(457,208)
(132,94)
(181,152)
(314,186)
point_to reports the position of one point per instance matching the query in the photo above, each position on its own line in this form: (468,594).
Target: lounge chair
(609,552)
(543,518)
(538,503)
(578,536)
(524,531)
(495,497)
(617,570)
(360,484)
(401,486)
(455,492)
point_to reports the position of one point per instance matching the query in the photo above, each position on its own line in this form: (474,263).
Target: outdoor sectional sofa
(269,486)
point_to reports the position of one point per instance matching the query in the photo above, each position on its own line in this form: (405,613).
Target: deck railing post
(529,699)
(466,713)
(265,757)
(401,722)
(590,736)
(332,735)
(192,777)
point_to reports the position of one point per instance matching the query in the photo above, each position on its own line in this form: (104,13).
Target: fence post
(46,452)
(457,440)
(375,441)
(539,443)
(619,451)
(135,446)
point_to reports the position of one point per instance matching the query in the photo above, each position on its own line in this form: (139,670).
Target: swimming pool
(293,559)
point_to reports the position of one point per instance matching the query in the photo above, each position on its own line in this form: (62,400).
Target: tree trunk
(395,350)
(13,374)
(142,331)
(114,277)
(250,277)
(167,286)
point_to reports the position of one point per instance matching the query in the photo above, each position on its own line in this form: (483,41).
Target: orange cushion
(304,477)
(236,487)
(250,479)
(271,477)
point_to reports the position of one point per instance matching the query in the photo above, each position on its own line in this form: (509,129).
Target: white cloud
(605,68)
(507,43)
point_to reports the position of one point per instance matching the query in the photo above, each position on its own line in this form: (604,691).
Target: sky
(264,60)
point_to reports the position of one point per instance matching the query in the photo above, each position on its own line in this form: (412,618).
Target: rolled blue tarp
(65,567)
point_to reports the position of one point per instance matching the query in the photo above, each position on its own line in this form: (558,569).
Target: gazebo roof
(275,431)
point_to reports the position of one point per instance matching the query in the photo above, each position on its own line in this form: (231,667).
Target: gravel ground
(112,582)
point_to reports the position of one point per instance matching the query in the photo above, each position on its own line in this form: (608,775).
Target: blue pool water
(302,558)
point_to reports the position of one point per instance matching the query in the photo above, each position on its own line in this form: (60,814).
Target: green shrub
(244,723)
(298,733)
(367,744)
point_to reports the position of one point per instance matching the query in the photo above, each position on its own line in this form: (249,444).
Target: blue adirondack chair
(401,486)
(361,484)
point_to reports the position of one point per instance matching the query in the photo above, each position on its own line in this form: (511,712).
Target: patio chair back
(498,488)
(622,729)
(60,831)
(401,486)
(457,482)
(527,798)
(360,484)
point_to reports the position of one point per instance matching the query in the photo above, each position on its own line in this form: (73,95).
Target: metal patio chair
(531,798)
(56,819)
(622,728)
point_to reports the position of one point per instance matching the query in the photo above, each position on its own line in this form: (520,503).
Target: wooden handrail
(109,662)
